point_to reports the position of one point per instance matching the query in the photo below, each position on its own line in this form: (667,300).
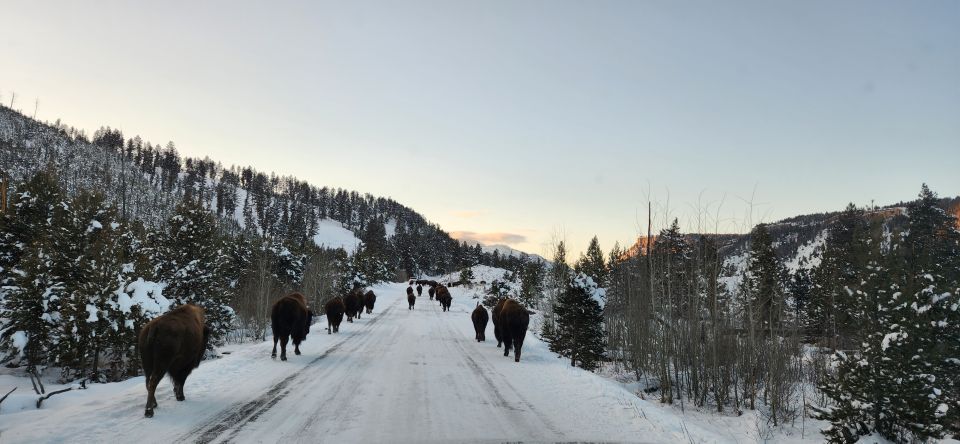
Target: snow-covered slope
(395,376)
(332,234)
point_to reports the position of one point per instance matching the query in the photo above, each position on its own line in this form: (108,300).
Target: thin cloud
(489,238)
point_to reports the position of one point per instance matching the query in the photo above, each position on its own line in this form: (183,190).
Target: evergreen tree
(30,289)
(592,263)
(191,260)
(763,281)
(903,382)
(531,283)
(843,261)
(579,325)
(466,275)
(373,258)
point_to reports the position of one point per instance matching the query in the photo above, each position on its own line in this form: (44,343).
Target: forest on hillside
(99,234)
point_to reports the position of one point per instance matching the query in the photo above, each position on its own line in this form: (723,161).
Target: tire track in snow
(484,375)
(235,416)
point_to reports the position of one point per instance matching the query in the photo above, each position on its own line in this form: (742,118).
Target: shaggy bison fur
(290,319)
(334,309)
(368,300)
(495,315)
(411,299)
(480,318)
(514,319)
(443,295)
(353,304)
(419,290)
(432,291)
(173,343)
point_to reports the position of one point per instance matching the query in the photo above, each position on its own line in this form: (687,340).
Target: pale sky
(522,121)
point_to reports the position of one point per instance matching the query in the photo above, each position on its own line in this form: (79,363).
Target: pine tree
(531,283)
(764,281)
(579,325)
(903,382)
(190,259)
(927,322)
(592,263)
(843,261)
(466,275)
(31,289)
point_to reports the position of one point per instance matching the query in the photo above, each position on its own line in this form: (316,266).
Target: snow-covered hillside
(394,376)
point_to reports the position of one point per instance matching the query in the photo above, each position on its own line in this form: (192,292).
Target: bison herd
(175,342)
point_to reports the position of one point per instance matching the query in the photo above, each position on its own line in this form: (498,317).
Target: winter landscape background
(724,222)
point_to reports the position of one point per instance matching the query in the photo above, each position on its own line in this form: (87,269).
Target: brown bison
(334,310)
(419,290)
(514,319)
(443,295)
(495,315)
(368,300)
(353,303)
(173,343)
(480,318)
(432,290)
(290,319)
(411,299)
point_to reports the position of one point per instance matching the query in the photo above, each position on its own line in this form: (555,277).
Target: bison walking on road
(419,290)
(443,295)
(431,291)
(411,299)
(514,319)
(173,343)
(334,310)
(480,318)
(368,300)
(353,303)
(290,319)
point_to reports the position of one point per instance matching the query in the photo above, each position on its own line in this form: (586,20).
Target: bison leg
(496,334)
(153,380)
(517,344)
(296,348)
(283,347)
(274,353)
(507,343)
(329,325)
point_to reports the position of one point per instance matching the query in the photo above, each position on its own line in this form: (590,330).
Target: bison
(514,319)
(411,299)
(419,290)
(368,300)
(173,343)
(334,310)
(290,319)
(443,295)
(353,303)
(431,291)
(495,314)
(480,318)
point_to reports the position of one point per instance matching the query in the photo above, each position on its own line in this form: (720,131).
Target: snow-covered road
(394,376)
